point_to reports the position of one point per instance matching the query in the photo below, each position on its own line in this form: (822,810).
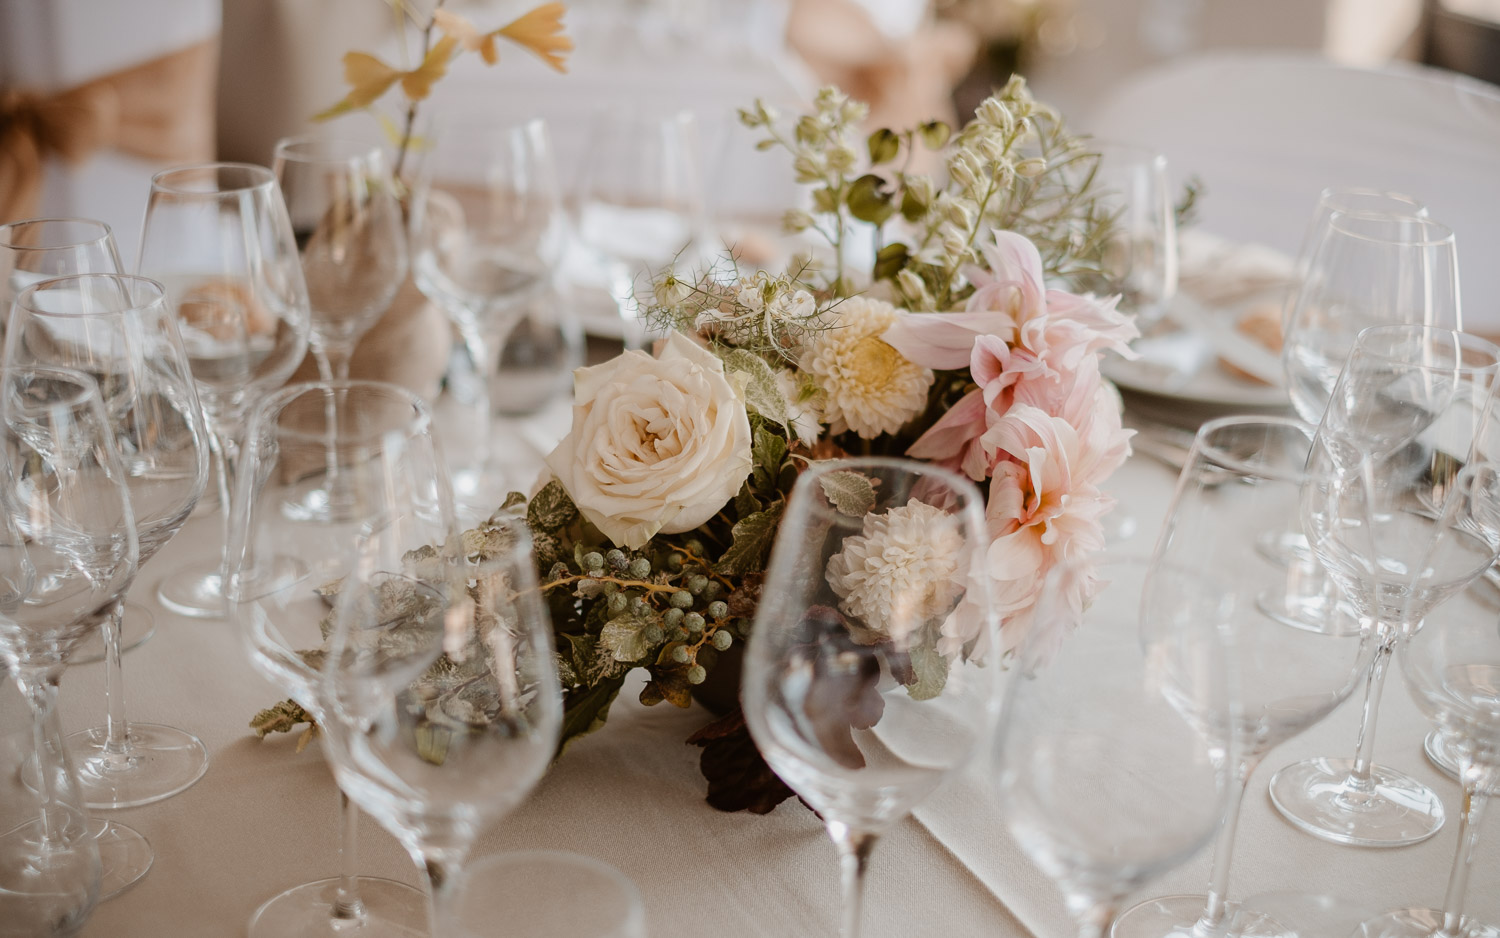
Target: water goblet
(68,553)
(1412,406)
(217,236)
(40,249)
(1241,474)
(283,572)
(1113,755)
(441,695)
(871,673)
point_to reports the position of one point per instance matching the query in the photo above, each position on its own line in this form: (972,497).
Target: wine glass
(442,702)
(638,206)
(1411,407)
(1113,754)
(218,237)
(40,249)
(1347,201)
(488,234)
(1139,262)
(870,675)
(534,893)
(347,219)
(1452,669)
(282,570)
(68,553)
(1359,270)
(121,331)
(1241,474)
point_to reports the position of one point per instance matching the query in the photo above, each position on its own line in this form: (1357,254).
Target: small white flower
(670,291)
(871,389)
(902,571)
(804,410)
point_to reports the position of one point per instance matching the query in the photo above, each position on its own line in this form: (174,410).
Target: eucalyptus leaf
(884,145)
(869,200)
(850,492)
(625,638)
(935,134)
(890,260)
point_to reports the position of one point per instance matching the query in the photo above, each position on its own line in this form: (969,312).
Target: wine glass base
(392,910)
(1165,917)
(195,592)
(1420,923)
(1315,613)
(163,762)
(1440,754)
(137,626)
(319,507)
(47,891)
(1284,548)
(124,856)
(1398,810)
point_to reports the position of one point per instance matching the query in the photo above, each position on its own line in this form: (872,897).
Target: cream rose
(658,445)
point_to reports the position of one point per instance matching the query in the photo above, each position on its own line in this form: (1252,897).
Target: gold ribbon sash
(161,110)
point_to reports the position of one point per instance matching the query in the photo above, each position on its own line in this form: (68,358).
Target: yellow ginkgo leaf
(368,79)
(541,31)
(417,83)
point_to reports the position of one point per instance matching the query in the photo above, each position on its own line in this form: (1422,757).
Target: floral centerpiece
(960,346)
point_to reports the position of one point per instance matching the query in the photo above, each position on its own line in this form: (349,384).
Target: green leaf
(762,396)
(625,638)
(890,259)
(769,449)
(935,134)
(869,200)
(884,145)
(930,669)
(753,537)
(586,710)
(851,493)
(551,509)
(825,200)
(913,208)
(745,502)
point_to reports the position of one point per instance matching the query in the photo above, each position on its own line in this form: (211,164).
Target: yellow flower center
(872,361)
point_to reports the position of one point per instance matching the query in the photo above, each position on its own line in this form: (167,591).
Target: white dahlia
(870,387)
(903,570)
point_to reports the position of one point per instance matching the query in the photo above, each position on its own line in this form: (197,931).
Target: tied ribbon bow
(161,110)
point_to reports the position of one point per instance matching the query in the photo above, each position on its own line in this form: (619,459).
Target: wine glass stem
(855,847)
(347,905)
(442,865)
(1359,781)
(1096,919)
(117,748)
(1216,910)
(224,443)
(1468,838)
(41,694)
(333,360)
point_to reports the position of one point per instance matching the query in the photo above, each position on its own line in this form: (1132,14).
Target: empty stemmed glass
(40,249)
(442,703)
(638,205)
(67,555)
(1348,201)
(284,572)
(487,235)
(1452,669)
(1383,515)
(218,237)
(1242,475)
(1112,757)
(871,674)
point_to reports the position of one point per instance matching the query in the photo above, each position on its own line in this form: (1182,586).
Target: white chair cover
(1267,131)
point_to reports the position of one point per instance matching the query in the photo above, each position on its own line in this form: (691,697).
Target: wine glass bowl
(1140,257)
(870,675)
(1111,760)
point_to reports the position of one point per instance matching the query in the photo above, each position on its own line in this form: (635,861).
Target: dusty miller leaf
(762,396)
(551,509)
(753,536)
(625,638)
(929,668)
(851,493)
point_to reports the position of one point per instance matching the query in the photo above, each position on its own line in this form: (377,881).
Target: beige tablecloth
(264,818)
